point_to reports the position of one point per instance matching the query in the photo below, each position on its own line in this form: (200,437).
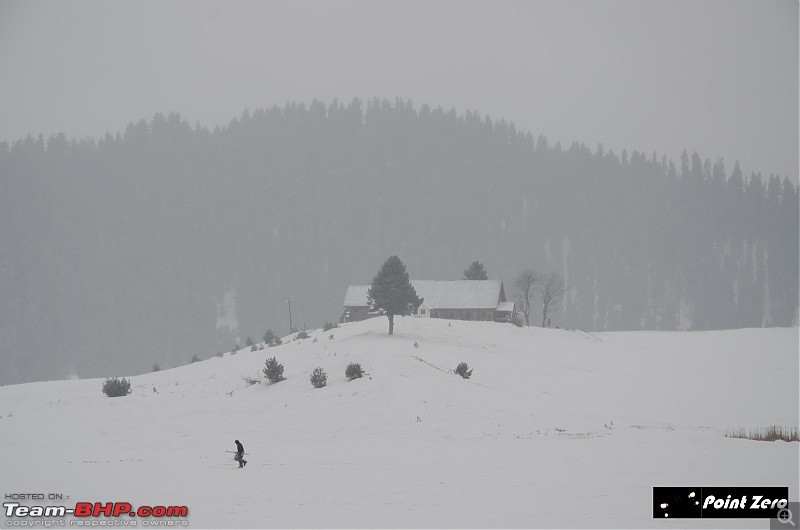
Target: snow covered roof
(458,294)
(356,296)
(505,306)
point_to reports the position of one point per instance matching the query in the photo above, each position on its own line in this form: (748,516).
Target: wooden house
(455,300)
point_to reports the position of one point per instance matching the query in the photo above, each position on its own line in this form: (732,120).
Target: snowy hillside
(555,428)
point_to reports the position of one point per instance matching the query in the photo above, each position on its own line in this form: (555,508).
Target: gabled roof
(356,296)
(457,294)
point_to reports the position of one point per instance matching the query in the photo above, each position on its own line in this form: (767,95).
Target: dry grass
(766,434)
(251,379)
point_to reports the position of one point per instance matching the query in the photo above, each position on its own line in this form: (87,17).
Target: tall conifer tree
(391,291)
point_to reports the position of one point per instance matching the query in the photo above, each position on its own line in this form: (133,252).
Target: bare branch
(523,289)
(552,292)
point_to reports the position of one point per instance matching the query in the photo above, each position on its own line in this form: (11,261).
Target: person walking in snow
(239,457)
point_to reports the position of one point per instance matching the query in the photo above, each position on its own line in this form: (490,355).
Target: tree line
(118,252)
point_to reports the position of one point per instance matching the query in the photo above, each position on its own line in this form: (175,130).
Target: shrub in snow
(114,387)
(249,342)
(270,339)
(463,370)
(319,378)
(353,371)
(302,335)
(329,326)
(274,371)
(251,379)
(195,358)
(156,367)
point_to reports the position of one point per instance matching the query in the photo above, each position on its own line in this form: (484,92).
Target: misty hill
(555,428)
(169,240)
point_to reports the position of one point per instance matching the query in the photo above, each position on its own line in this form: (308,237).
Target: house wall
(356,314)
(504,316)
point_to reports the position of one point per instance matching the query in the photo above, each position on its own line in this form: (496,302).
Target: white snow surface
(555,429)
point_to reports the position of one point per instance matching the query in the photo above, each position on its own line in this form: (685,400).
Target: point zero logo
(719,502)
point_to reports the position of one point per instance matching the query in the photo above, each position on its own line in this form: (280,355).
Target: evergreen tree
(273,370)
(476,272)
(392,292)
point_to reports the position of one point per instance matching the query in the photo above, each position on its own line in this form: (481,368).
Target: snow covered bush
(274,370)
(353,371)
(463,370)
(329,326)
(302,334)
(270,339)
(114,387)
(318,378)
(195,359)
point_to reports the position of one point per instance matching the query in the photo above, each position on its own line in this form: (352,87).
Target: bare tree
(523,290)
(552,293)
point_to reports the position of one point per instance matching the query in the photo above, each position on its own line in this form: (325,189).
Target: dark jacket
(239,447)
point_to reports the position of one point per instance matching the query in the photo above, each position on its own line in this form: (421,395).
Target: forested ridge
(117,253)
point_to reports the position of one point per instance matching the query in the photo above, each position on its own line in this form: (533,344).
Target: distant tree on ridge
(476,272)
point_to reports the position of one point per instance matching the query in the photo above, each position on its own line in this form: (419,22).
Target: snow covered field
(555,429)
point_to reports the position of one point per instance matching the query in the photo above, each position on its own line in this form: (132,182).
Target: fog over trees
(169,240)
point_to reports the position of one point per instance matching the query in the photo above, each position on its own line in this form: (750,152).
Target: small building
(355,304)
(455,300)
(505,312)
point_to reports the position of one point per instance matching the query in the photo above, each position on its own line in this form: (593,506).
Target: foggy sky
(717,77)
